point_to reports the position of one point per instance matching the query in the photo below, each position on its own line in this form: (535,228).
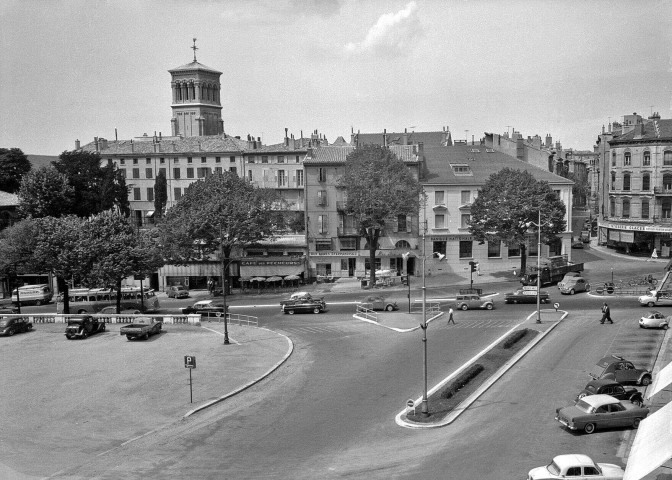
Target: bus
(32,295)
(93,300)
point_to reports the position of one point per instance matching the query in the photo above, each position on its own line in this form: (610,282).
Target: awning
(660,381)
(652,446)
(253,267)
(150,214)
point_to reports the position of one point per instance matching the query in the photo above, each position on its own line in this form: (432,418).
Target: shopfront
(636,239)
(358,263)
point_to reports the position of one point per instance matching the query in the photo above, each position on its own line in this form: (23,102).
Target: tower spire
(194,48)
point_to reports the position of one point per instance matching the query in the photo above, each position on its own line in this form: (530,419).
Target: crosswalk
(328,330)
(483,323)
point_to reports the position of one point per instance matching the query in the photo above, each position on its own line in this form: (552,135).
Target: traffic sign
(410,403)
(556,305)
(530,292)
(530,287)
(189,361)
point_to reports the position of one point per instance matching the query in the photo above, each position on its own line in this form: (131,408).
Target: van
(32,295)
(177,291)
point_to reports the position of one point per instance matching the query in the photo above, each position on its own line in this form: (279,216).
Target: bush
(461,380)
(514,337)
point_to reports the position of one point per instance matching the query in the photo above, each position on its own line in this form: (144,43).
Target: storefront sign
(628,237)
(450,238)
(637,228)
(271,262)
(353,253)
(615,235)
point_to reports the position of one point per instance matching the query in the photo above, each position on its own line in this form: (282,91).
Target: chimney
(95,141)
(421,148)
(159,136)
(115,135)
(77,144)
(404,137)
(286,138)
(549,140)
(132,146)
(472,139)
(103,144)
(384,137)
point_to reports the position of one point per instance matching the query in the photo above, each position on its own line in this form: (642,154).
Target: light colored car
(112,310)
(376,302)
(177,291)
(656,298)
(467,302)
(601,411)
(654,319)
(567,277)
(574,285)
(576,466)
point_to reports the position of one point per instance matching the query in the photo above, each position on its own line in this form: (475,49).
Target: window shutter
(409,226)
(395,225)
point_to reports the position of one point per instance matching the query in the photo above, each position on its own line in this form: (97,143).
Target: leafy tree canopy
(506,205)
(13,165)
(45,193)
(160,194)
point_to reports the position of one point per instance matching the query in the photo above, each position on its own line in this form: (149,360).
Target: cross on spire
(194,48)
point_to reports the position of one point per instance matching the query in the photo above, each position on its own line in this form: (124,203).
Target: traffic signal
(473,265)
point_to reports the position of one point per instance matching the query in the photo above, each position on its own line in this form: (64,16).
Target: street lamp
(539,225)
(406,256)
(223,281)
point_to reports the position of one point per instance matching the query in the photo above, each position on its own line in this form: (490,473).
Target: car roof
(608,360)
(601,382)
(599,400)
(203,302)
(573,460)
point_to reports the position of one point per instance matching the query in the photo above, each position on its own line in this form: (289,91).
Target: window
(149,173)
(178,193)
(401,223)
(282,178)
(136,193)
(322,174)
(465,196)
(612,207)
(439,197)
(322,223)
(322,244)
(148,161)
(439,221)
(461,170)
(464,220)
(122,162)
(251,159)
(232,159)
(466,248)
(667,157)
(613,180)
(188,159)
(190,172)
(367,263)
(135,161)
(204,159)
(348,243)
(402,244)
(218,170)
(233,170)
(626,159)
(626,208)
(281,159)
(626,181)
(162,170)
(176,173)
(264,159)
(613,158)
(667,182)
(494,249)
(122,172)
(150,194)
(646,181)
(645,208)
(299,178)
(201,172)
(249,174)
(297,159)
(439,246)
(513,251)
(176,160)
(666,208)
(647,159)
(322,198)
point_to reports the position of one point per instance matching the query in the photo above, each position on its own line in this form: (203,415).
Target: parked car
(526,296)
(577,244)
(574,285)
(600,386)
(83,326)
(654,319)
(600,411)
(304,306)
(177,291)
(567,277)
(656,298)
(11,325)
(377,302)
(617,368)
(466,302)
(112,310)
(142,327)
(576,466)
(206,308)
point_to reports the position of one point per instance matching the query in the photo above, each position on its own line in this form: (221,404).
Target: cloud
(392,34)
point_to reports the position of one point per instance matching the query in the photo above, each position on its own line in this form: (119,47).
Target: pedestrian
(210,285)
(450,316)
(606,314)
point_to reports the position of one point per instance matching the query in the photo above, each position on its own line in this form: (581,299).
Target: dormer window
(461,169)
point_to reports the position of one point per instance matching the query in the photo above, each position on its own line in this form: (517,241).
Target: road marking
(222,334)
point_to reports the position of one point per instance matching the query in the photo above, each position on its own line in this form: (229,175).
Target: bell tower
(196,106)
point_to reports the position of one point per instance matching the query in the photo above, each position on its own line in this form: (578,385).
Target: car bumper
(566,423)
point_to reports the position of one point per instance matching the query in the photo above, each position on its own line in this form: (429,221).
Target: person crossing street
(450,316)
(606,314)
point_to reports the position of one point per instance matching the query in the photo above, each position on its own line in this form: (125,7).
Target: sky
(79,69)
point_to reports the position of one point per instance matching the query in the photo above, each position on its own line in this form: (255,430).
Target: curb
(486,385)
(399,330)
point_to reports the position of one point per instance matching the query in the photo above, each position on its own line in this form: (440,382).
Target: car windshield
(553,469)
(591,388)
(4,322)
(584,407)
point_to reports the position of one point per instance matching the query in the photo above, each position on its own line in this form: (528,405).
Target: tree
(379,187)
(17,244)
(508,202)
(13,165)
(45,193)
(160,194)
(96,188)
(222,211)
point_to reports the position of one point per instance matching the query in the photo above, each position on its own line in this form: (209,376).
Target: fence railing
(366,312)
(432,307)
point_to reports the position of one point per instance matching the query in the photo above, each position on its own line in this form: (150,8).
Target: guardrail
(432,307)
(367,313)
(616,289)
(107,318)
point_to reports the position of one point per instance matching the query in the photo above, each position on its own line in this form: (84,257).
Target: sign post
(190,363)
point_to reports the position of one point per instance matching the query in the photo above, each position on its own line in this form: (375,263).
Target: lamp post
(223,280)
(424,409)
(406,256)
(612,275)
(539,225)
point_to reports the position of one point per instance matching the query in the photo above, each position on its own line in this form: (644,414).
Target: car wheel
(128,337)
(29,327)
(488,306)
(291,312)
(69,337)
(389,308)
(38,303)
(102,329)
(581,395)
(651,304)
(10,332)
(464,307)
(146,336)
(635,422)
(646,380)
(589,428)
(637,401)
(572,292)
(515,301)
(664,326)
(316,310)
(84,334)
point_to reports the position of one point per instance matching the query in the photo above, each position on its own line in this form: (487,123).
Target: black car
(305,306)
(615,389)
(205,308)
(11,325)
(83,326)
(526,296)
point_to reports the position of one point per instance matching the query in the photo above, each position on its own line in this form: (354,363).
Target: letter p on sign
(189,361)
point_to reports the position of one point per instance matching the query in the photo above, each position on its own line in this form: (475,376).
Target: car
(577,244)
(576,466)
(465,302)
(11,325)
(206,308)
(299,297)
(654,319)
(656,298)
(573,285)
(177,291)
(377,302)
(614,367)
(112,310)
(304,306)
(8,308)
(568,276)
(600,411)
(599,386)
(526,296)
(82,326)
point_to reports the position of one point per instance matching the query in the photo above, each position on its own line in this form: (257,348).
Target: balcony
(663,191)
(347,231)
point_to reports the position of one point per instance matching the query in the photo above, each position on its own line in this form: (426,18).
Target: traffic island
(446,399)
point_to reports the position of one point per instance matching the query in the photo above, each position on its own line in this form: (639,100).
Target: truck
(142,327)
(553,269)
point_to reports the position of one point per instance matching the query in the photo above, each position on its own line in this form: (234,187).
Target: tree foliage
(508,202)
(160,194)
(379,187)
(17,244)
(14,164)
(45,193)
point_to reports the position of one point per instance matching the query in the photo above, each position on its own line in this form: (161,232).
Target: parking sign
(189,361)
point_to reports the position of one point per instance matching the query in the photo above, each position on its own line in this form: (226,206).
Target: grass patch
(447,398)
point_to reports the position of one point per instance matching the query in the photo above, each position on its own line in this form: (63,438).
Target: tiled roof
(194,145)
(393,138)
(281,147)
(194,66)
(337,155)
(653,130)
(37,161)
(482,162)
(8,199)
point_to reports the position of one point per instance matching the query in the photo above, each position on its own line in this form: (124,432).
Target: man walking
(450,316)
(606,314)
